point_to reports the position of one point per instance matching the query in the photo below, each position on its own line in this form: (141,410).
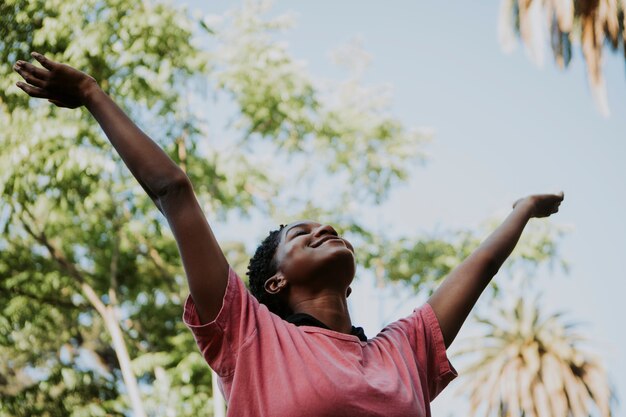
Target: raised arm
(166,184)
(455,297)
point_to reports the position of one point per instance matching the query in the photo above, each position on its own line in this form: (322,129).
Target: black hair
(262,267)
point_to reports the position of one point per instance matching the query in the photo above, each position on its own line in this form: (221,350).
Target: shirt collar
(303,319)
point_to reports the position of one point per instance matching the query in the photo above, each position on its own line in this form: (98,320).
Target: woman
(290,349)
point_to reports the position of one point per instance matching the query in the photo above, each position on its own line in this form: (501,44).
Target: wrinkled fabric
(269,367)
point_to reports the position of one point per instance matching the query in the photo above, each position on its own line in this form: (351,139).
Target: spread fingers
(45,62)
(32,74)
(32,91)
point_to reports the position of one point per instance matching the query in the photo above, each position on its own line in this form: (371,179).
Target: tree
(91,281)
(591,23)
(531,364)
(82,250)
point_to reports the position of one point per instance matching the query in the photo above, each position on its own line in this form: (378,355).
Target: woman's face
(314,256)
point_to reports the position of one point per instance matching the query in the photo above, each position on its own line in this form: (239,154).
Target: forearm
(501,242)
(457,295)
(65,86)
(148,163)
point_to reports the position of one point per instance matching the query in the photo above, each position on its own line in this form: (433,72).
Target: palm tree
(588,22)
(529,366)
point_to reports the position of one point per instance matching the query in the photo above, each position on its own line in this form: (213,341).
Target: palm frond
(585,22)
(531,364)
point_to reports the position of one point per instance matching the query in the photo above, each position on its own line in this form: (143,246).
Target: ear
(275,284)
(348,292)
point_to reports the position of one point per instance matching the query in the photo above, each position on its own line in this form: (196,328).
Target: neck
(330,309)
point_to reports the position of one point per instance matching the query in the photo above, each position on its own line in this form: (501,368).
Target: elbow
(486,263)
(176,183)
(492,265)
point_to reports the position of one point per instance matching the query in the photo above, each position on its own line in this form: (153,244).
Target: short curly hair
(262,267)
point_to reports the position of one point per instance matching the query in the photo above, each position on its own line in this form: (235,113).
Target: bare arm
(166,184)
(456,296)
(67,87)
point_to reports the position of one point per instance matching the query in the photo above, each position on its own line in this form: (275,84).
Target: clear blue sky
(503,129)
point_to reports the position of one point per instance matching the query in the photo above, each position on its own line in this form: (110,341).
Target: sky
(504,129)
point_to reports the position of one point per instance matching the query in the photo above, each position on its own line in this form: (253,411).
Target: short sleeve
(221,339)
(440,370)
(423,333)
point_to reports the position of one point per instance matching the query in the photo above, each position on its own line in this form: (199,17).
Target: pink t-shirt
(270,367)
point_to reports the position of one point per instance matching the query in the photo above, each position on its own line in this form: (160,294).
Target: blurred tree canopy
(90,274)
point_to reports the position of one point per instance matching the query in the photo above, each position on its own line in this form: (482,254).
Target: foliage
(423,263)
(530,364)
(74,219)
(592,24)
(343,129)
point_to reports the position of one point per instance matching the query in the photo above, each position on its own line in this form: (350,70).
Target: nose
(325,229)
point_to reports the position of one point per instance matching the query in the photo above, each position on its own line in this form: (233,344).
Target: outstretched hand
(61,84)
(542,205)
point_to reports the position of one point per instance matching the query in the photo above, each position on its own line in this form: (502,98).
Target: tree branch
(114,266)
(67,266)
(182,151)
(153,255)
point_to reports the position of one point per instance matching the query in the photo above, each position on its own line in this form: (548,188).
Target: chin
(342,263)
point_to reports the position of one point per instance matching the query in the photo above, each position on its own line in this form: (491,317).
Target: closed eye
(294,233)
